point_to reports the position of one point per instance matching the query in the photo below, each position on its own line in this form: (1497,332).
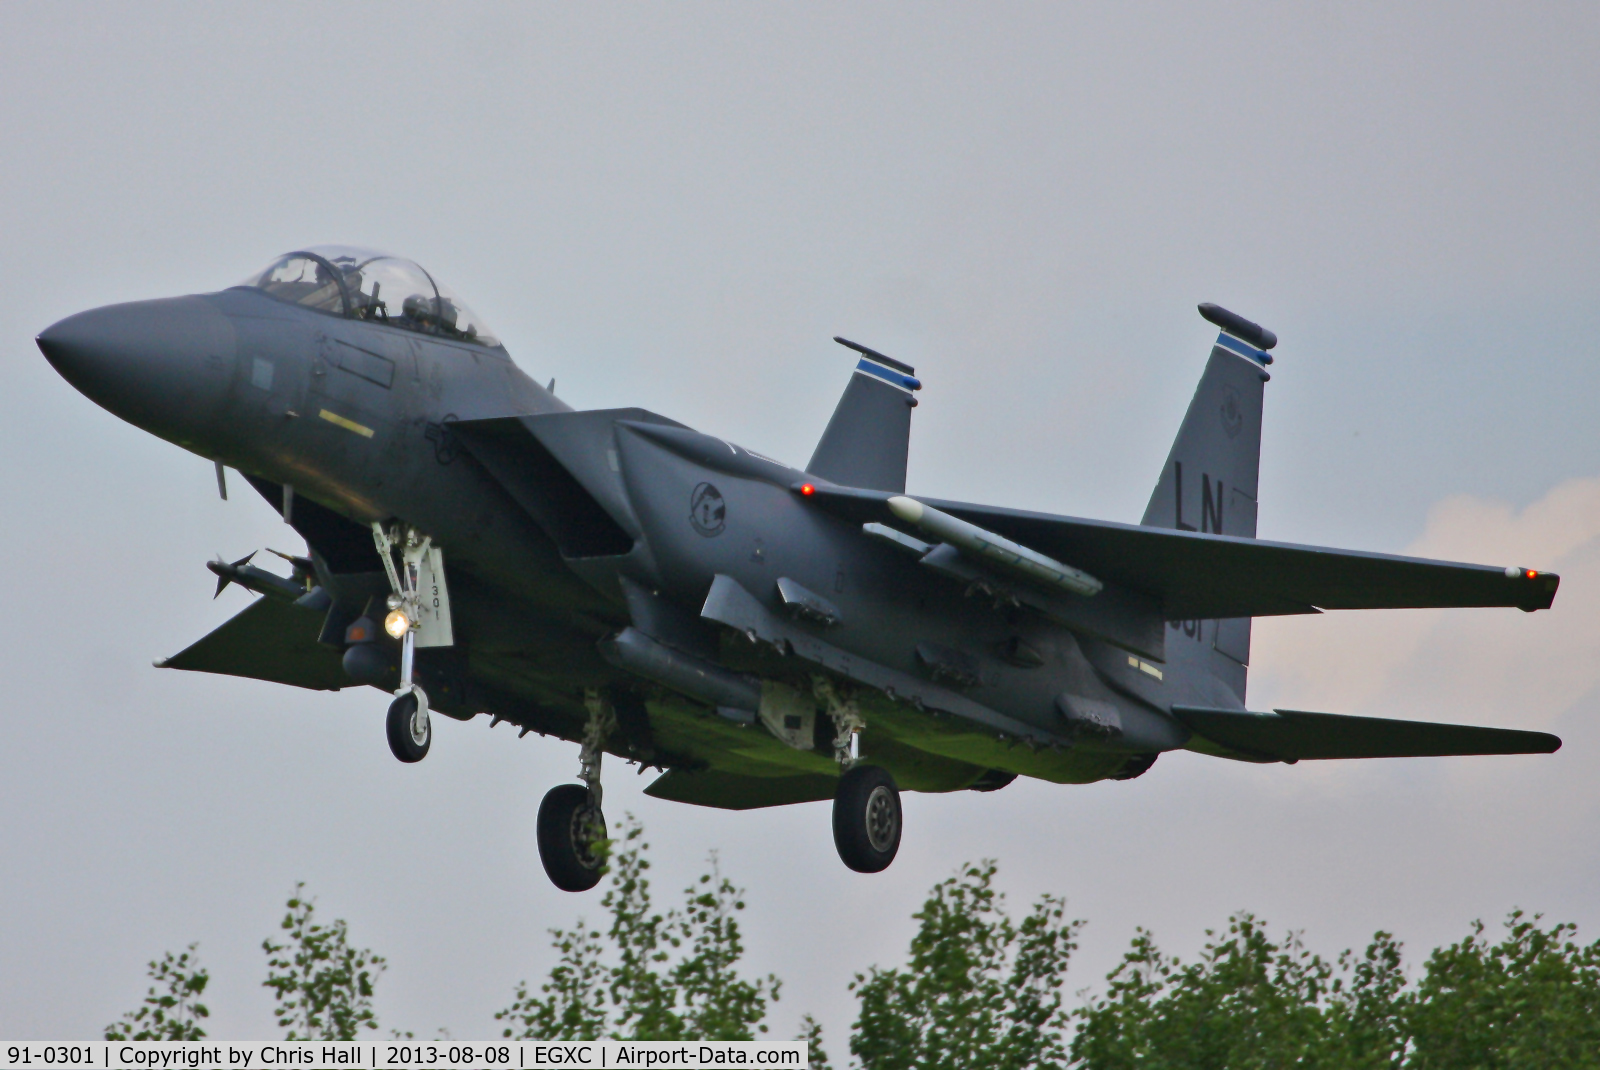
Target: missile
(304,568)
(994,549)
(254,579)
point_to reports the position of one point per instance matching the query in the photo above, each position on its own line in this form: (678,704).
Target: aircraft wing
(1197,576)
(1292,735)
(270,640)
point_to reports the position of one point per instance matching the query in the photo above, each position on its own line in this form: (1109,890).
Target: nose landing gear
(409,731)
(410,734)
(572,828)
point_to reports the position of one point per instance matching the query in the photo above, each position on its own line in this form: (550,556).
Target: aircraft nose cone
(161,365)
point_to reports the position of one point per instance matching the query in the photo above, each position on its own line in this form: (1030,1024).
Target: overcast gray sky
(676,206)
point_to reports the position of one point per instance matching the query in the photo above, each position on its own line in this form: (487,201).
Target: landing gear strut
(409,732)
(571,826)
(866,806)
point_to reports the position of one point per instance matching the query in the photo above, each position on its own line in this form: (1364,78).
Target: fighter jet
(760,634)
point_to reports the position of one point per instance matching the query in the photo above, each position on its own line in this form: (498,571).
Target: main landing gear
(866,819)
(571,826)
(866,805)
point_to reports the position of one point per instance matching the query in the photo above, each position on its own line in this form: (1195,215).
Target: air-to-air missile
(259,580)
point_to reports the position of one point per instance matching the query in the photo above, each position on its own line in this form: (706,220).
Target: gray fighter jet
(761,634)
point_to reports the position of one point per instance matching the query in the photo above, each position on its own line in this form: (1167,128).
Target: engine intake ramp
(1292,735)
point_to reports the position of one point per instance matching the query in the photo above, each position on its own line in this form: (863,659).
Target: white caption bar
(403,1055)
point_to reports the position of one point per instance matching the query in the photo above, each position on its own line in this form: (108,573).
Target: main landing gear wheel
(571,833)
(410,734)
(866,819)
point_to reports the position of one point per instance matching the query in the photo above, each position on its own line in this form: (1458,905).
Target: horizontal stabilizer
(729,791)
(270,640)
(1292,735)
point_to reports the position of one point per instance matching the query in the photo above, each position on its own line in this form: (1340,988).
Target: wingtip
(1543,587)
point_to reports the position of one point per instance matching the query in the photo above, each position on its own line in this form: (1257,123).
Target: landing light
(396,624)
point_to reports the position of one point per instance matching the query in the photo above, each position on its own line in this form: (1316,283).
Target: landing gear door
(433,600)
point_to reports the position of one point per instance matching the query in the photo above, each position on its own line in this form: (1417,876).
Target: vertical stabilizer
(1209,481)
(867,439)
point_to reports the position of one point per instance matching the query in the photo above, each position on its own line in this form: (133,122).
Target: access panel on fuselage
(361,378)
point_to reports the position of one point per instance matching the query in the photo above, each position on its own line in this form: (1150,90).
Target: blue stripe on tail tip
(1243,349)
(888,375)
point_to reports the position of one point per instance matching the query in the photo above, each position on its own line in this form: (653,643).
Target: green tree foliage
(572,1005)
(979,989)
(650,976)
(324,986)
(811,1033)
(1247,1002)
(1533,999)
(982,990)
(1365,1012)
(171,1009)
(1250,1002)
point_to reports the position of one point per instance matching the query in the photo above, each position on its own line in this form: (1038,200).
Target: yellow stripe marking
(1145,667)
(349,425)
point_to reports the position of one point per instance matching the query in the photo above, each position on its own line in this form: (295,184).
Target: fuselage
(362,418)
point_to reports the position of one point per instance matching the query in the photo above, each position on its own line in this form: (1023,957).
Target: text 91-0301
(51,1055)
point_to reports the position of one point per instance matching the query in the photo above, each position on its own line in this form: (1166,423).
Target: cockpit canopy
(366,285)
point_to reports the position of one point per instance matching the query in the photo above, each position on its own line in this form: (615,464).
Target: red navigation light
(808,490)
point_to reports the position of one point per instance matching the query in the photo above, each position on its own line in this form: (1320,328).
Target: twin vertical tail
(1209,481)
(866,442)
(1207,485)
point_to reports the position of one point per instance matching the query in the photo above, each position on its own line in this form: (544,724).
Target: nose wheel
(410,733)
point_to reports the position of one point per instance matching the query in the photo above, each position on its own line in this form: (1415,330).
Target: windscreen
(375,287)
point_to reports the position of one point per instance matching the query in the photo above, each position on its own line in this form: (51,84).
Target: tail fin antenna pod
(1239,327)
(866,442)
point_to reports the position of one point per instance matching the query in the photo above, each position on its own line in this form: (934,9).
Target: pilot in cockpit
(365,285)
